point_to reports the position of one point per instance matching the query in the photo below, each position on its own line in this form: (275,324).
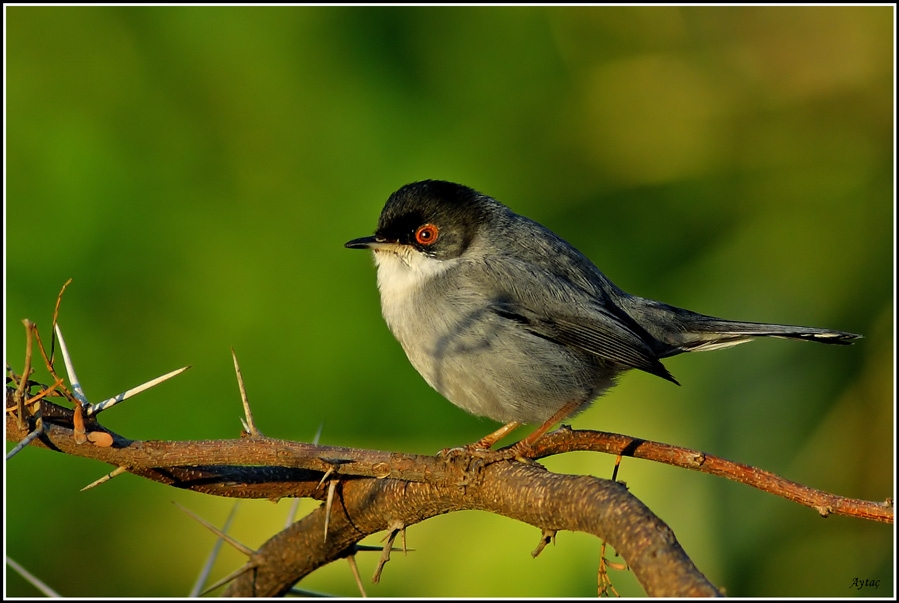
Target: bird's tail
(681,330)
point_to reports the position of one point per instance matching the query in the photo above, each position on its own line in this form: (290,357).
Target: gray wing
(554,308)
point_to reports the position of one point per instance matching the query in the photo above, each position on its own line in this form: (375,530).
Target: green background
(196,171)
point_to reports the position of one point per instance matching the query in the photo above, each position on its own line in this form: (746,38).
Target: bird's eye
(426,234)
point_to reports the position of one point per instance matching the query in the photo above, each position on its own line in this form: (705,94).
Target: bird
(508,321)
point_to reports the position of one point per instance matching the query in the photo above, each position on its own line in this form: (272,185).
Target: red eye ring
(426,234)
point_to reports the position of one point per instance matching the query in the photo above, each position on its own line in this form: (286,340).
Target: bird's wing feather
(552,307)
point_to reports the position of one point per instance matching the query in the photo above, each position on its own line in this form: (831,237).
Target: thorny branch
(366,504)
(371,491)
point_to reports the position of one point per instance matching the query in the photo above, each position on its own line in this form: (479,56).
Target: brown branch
(152,454)
(513,489)
(383,490)
(411,488)
(379,489)
(370,491)
(566,440)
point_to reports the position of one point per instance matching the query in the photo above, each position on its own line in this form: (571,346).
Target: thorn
(237,545)
(545,538)
(353,568)
(318,434)
(250,425)
(33,580)
(70,369)
(327,474)
(295,505)
(114,473)
(364,548)
(615,470)
(25,441)
(394,528)
(235,574)
(291,515)
(332,486)
(213,555)
(95,409)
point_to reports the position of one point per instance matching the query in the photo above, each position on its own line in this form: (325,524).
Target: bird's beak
(363,243)
(373,243)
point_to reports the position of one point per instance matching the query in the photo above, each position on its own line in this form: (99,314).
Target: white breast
(404,276)
(404,272)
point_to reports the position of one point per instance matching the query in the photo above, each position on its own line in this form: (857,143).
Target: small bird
(509,321)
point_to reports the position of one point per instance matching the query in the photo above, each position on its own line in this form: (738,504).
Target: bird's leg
(490,439)
(529,441)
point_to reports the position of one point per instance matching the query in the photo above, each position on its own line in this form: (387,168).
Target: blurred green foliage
(197,170)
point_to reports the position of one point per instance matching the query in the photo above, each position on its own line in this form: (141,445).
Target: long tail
(685,331)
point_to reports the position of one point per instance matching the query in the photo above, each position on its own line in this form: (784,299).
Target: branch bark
(378,491)
(383,490)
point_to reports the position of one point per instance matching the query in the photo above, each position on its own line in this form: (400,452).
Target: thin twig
(55,317)
(23,381)
(43,393)
(48,362)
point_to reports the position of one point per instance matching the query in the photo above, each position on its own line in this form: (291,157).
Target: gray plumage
(509,321)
